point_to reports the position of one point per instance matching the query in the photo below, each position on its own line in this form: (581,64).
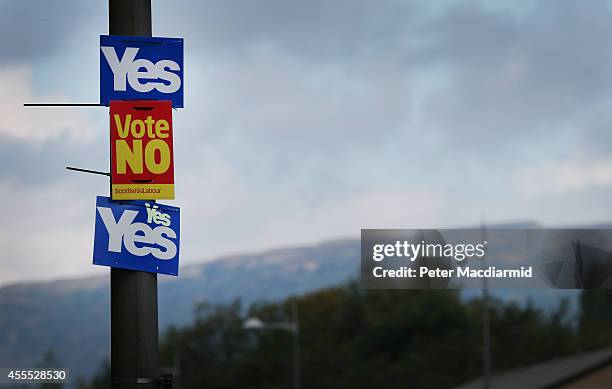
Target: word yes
(155,216)
(124,231)
(129,67)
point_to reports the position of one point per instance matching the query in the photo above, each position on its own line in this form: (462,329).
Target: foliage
(351,337)
(596,318)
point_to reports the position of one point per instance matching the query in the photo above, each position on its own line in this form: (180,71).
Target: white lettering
(142,74)
(129,233)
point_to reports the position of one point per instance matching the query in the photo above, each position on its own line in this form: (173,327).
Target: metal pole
(486,341)
(296,346)
(134,332)
(486,325)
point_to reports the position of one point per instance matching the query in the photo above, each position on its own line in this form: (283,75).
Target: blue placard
(141,68)
(137,235)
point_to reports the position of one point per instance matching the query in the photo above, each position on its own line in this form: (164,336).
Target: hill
(71,317)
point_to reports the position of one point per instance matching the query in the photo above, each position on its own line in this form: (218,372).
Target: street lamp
(256,324)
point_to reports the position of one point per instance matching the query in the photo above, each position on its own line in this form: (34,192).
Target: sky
(308,121)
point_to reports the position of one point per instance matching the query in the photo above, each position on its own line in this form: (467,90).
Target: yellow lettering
(138,133)
(164,151)
(122,130)
(149,122)
(161,128)
(129,156)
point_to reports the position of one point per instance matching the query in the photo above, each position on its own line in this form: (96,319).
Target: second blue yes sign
(137,235)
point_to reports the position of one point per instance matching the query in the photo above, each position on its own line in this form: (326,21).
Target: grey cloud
(295,109)
(517,79)
(319,29)
(523,77)
(34,29)
(594,133)
(35,165)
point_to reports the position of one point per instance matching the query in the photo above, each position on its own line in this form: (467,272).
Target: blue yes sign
(137,235)
(141,68)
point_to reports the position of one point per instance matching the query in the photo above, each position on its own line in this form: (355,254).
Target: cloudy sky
(306,121)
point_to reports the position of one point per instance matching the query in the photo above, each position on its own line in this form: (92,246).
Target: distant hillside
(71,317)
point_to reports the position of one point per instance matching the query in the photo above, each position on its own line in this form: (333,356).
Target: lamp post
(256,324)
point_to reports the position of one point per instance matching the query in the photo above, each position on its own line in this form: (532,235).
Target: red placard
(142,157)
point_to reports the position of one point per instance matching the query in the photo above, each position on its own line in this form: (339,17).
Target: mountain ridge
(70,316)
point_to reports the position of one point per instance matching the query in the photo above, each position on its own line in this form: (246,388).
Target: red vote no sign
(142,158)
